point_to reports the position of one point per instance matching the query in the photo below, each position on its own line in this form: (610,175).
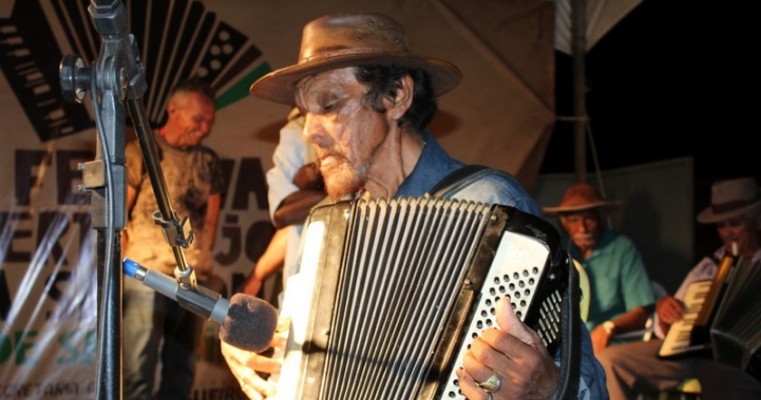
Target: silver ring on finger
(492,384)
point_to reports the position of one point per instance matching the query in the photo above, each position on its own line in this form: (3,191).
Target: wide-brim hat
(348,39)
(731,198)
(580,197)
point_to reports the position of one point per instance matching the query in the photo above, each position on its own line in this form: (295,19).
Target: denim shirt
(497,188)
(494,188)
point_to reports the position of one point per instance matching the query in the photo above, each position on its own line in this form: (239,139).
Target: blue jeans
(149,318)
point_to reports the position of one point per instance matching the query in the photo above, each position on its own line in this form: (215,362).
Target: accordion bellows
(401,288)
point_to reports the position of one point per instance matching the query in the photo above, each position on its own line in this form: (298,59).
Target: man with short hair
(156,328)
(367,101)
(633,369)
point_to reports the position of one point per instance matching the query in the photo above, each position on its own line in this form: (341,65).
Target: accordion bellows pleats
(401,288)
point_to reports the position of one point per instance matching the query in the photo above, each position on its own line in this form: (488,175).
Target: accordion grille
(401,275)
(402,287)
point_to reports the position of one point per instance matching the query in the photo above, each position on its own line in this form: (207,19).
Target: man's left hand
(600,339)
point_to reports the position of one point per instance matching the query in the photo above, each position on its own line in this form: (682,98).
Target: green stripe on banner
(240,89)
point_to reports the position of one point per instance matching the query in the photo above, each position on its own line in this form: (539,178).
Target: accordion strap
(458,178)
(570,350)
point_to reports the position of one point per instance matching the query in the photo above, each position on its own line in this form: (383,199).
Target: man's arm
(204,266)
(668,310)
(211,220)
(636,294)
(295,207)
(270,261)
(632,320)
(131,197)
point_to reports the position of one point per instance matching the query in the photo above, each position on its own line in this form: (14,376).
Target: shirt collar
(606,237)
(432,166)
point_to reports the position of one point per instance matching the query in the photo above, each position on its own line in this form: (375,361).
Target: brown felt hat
(348,39)
(580,197)
(731,198)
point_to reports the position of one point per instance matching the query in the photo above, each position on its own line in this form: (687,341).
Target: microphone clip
(174,230)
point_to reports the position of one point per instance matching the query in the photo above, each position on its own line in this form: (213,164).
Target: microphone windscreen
(250,323)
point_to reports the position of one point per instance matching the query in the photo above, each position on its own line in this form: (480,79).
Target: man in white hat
(621,291)
(635,368)
(367,101)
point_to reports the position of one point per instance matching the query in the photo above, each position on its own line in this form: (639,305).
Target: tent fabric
(601,17)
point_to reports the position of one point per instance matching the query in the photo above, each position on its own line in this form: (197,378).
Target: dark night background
(672,79)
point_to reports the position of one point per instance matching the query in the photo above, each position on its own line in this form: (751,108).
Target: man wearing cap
(635,368)
(619,284)
(367,101)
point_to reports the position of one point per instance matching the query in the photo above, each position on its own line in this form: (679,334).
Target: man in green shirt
(621,290)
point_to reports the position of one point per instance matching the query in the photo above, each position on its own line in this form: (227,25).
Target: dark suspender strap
(449,182)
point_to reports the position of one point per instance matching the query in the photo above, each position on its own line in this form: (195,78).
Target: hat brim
(280,85)
(583,207)
(708,216)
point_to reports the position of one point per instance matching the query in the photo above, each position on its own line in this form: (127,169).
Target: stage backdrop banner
(500,115)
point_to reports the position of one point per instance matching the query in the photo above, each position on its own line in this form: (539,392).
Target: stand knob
(75,78)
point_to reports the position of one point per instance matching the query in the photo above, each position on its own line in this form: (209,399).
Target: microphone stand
(116,78)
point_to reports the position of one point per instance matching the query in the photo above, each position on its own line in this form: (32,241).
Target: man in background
(621,290)
(635,368)
(156,329)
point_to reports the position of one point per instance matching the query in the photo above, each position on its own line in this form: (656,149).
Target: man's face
(191,117)
(583,228)
(346,132)
(739,230)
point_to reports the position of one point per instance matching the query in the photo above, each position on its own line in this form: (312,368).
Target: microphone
(246,322)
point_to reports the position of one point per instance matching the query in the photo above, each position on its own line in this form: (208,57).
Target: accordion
(735,333)
(398,289)
(722,319)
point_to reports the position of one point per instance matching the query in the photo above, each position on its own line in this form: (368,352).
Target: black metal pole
(578,52)
(109,360)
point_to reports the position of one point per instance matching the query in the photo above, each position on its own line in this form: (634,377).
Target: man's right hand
(308,177)
(669,310)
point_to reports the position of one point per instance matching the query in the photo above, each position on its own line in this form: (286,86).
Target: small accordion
(735,333)
(722,318)
(398,289)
